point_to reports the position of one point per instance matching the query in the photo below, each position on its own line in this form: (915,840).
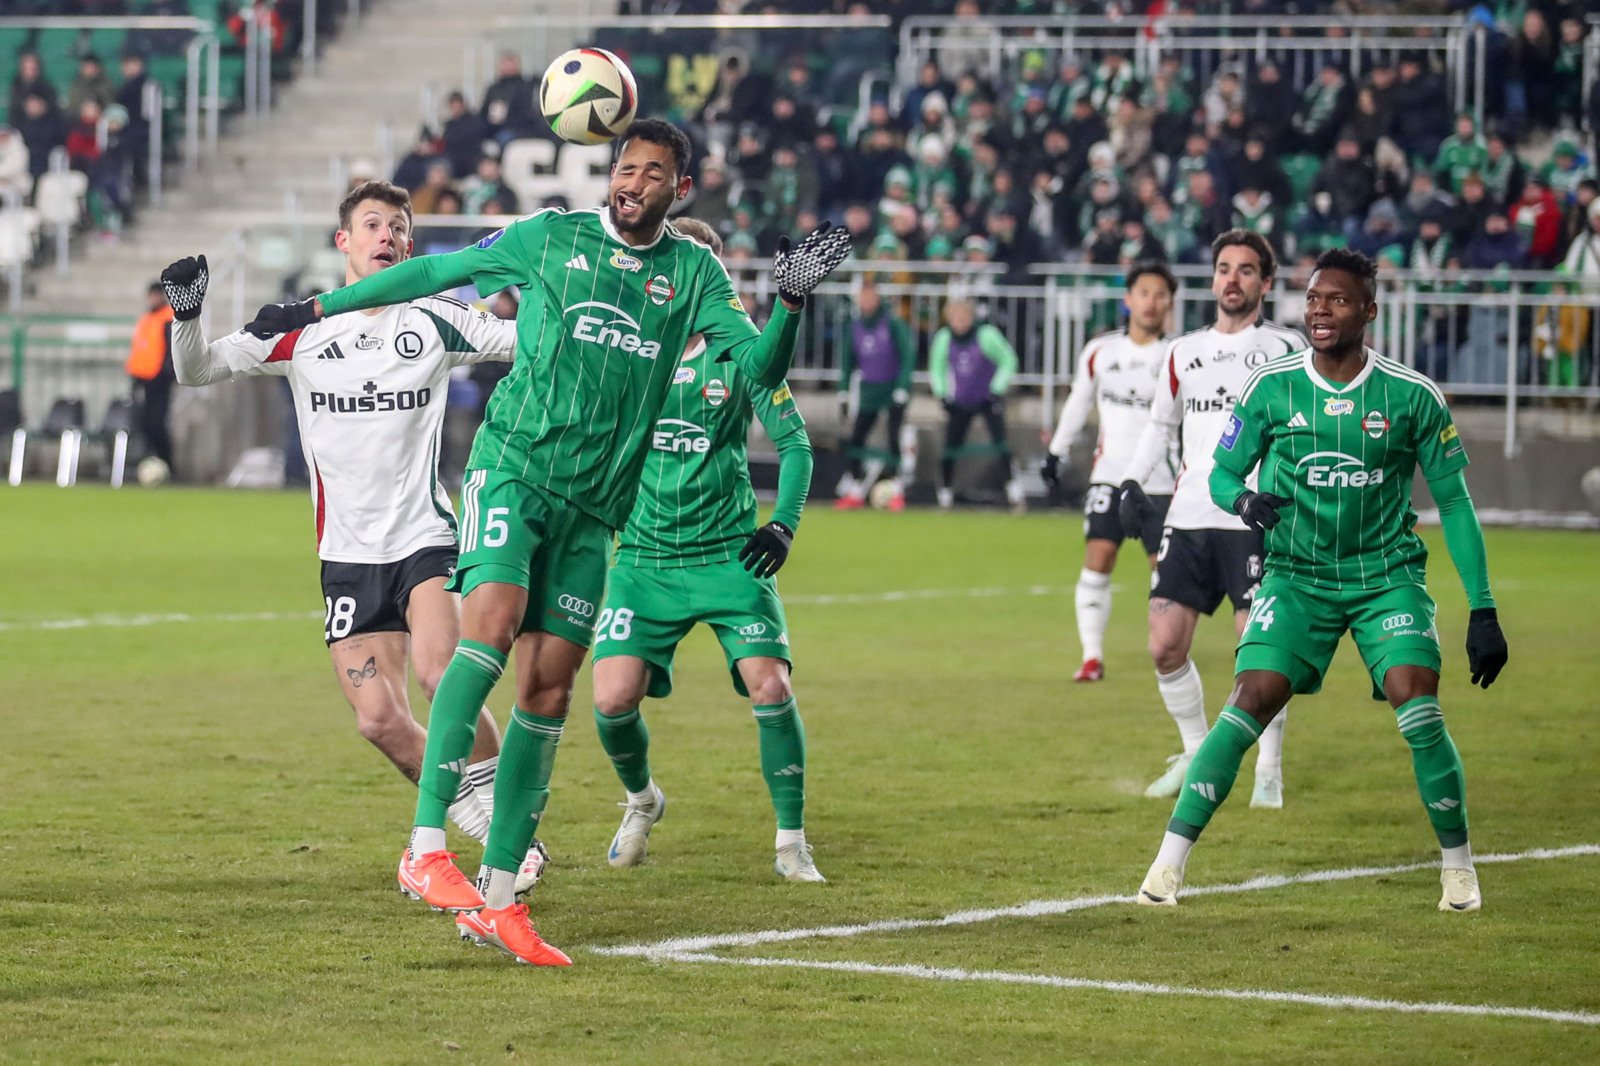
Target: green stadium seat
(1301,169)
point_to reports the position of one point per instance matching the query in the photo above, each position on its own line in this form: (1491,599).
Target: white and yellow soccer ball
(588,96)
(152,471)
(882,494)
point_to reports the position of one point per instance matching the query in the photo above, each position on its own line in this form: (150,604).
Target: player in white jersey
(1207,553)
(1115,376)
(369,394)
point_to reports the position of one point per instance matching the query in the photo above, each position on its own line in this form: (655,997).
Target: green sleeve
(1001,354)
(1440,452)
(939,363)
(847,356)
(1463,536)
(492,264)
(765,354)
(907,347)
(780,417)
(1240,448)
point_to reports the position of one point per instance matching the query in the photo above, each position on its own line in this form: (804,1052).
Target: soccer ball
(883,494)
(1591,488)
(588,96)
(152,471)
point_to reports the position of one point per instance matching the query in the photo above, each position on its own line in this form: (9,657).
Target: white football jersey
(1117,378)
(369,397)
(1199,382)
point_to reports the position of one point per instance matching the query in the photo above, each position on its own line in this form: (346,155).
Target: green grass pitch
(198,855)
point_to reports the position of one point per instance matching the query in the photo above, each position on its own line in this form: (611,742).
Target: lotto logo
(581,608)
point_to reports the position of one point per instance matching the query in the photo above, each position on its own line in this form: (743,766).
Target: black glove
(767,549)
(185,286)
(1050,470)
(1486,646)
(1259,509)
(800,271)
(1132,507)
(274,319)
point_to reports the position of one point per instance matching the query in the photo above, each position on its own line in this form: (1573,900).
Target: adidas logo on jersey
(1298,421)
(332,351)
(578,262)
(1196,363)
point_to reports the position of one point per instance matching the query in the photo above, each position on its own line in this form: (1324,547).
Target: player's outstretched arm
(195,362)
(1463,536)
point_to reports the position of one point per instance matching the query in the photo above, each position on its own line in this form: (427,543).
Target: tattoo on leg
(366,673)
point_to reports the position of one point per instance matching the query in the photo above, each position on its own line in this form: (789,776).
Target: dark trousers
(960,423)
(866,419)
(152,400)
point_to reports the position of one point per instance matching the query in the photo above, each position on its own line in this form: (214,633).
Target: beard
(648,221)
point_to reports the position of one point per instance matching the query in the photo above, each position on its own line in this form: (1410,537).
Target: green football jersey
(695,501)
(1345,456)
(600,328)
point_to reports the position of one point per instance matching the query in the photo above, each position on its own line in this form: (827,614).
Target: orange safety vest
(149,349)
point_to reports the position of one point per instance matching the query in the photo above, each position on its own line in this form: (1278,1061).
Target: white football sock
(498,887)
(481,774)
(1174,850)
(796,836)
(1093,600)
(467,812)
(1269,753)
(425,840)
(647,798)
(1456,858)
(1186,702)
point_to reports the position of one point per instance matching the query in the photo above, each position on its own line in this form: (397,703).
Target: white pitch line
(133,621)
(128,621)
(933,973)
(1046,907)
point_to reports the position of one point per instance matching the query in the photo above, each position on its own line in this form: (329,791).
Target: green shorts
(519,534)
(648,612)
(1293,630)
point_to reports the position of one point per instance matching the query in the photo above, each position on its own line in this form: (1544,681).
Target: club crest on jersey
(1335,406)
(715,392)
(1375,424)
(408,344)
(1255,357)
(623,261)
(366,342)
(684,375)
(660,289)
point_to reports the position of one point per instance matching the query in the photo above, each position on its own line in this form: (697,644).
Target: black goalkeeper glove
(1486,646)
(274,319)
(185,285)
(800,271)
(767,549)
(1050,470)
(1259,509)
(1132,507)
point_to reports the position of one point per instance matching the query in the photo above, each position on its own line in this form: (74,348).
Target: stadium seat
(65,421)
(19,231)
(115,428)
(58,197)
(11,425)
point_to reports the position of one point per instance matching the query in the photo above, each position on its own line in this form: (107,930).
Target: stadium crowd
(1075,157)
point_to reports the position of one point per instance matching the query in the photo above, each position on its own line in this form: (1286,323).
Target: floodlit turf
(198,853)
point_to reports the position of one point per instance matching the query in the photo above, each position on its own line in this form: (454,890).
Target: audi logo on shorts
(581,608)
(1397,621)
(754,629)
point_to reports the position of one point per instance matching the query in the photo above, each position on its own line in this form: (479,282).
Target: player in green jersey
(609,298)
(1339,432)
(691,552)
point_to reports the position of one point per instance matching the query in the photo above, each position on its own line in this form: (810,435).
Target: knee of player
(772,688)
(378,723)
(1261,694)
(612,702)
(546,702)
(428,679)
(1167,654)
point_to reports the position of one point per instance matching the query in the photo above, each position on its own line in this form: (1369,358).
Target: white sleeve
(237,355)
(486,337)
(1075,412)
(1166,415)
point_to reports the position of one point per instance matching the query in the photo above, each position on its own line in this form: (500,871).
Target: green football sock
(1437,765)
(627,740)
(783,760)
(1212,771)
(453,725)
(521,787)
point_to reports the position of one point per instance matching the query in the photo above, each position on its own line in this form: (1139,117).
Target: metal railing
(1299,44)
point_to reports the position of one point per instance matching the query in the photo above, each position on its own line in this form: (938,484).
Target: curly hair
(1352,262)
